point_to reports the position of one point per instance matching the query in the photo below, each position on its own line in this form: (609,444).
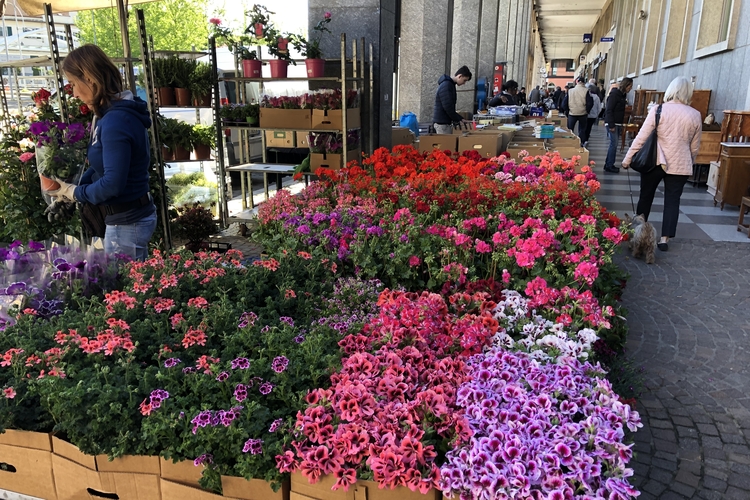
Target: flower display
(60,149)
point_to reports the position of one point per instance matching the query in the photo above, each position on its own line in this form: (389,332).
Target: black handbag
(92,219)
(645,160)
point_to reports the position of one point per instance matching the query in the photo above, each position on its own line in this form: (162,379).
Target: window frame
(682,57)
(728,43)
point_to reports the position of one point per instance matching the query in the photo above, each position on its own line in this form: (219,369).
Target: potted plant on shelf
(162,69)
(310,49)
(200,85)
(183,71)
(251,66)
(252,114)
(195,224)
(226,113)
(183,141)
(203,139)
(259,19)
(278,46)
(167,133)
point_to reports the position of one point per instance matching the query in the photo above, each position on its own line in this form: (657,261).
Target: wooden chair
(736,126)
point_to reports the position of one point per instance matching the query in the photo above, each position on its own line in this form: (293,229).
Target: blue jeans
(131,239)
(614,138)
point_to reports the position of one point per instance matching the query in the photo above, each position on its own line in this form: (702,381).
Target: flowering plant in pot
(194,223)
(278,46)
(60,151)
(251,66)
(259,19)
(310,49)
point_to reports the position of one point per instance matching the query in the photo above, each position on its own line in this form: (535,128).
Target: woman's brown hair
(624,84)
(89,63)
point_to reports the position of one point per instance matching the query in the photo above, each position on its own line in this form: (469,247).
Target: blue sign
(607,39)
(587,37)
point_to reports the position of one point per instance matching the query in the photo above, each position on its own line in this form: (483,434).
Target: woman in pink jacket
(679,136)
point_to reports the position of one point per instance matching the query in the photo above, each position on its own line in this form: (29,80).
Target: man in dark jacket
(444,115)
(508,96)
(614,116)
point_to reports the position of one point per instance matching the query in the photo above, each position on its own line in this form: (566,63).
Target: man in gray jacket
(577,109)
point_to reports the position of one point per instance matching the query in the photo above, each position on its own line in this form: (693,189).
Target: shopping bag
(645,160)
(409,120)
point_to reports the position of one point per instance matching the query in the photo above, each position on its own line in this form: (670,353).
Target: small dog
(643,242)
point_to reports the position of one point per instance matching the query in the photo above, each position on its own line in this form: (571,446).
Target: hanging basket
(278,68)
(315,67)
(251,69)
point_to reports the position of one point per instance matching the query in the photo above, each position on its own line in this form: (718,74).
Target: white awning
(36,7)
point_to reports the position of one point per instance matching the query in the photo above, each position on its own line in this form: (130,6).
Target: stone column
(424,25)
(464,50)
(375,21)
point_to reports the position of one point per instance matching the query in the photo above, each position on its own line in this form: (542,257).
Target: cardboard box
(184,472)
(487,145)
(280,139)
(506,135)
(73,481)
(176,491)
(285,118)
(533,149)
(331,160)
(331,119)
(254,489)
(27,464)
(563,142)
(402,135)
(436,141)
(362,490)
(72,453)
(129,463)
(301,138)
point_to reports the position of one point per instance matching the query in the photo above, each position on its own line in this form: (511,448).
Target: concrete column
(375,21)
(422,55)
(503,29)
(487,40)
(464,50)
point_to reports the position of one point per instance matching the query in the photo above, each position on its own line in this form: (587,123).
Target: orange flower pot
(166,96)
(48,184)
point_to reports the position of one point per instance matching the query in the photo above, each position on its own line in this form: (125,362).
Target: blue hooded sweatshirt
(119,156)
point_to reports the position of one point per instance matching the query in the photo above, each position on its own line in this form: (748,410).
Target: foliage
(174,132)
(183,70)
(163,71)
(173,24)
(257,14)
(274,40)
(194,223)
(310,49)
(201,81)
(203,135)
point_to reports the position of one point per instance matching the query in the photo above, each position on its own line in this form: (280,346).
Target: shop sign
(587,37)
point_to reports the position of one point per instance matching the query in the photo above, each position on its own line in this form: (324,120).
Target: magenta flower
(265,388)
(253,446)
(279,364)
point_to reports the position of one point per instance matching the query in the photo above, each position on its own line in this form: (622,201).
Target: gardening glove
(65,191)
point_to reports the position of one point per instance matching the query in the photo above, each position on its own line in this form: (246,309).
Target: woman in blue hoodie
(119,153)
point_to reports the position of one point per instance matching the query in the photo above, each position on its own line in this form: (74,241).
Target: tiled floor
(699,218)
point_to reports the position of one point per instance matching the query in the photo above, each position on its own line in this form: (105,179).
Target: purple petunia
(222,376)
(171,362)
(240,393)
(275,425)
(253,446)
(206,458)
(240,364)
(265,388)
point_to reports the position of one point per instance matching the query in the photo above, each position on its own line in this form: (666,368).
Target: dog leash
(632,204)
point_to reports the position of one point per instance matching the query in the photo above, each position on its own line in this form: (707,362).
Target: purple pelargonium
(571,438)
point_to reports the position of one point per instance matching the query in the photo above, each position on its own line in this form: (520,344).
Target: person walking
(534,95)
(593,114)
(679,137)
(522,96)
(444,114)
(614,116)
(556,97)
(577,108)
(119,153)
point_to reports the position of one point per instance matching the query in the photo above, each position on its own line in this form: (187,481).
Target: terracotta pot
(251,69)
(315,67)
(182,97)
(181,154)
(278,68)
(258,30)
(203,102)
(167,154)
(48,184)
(202,152)
(166,96)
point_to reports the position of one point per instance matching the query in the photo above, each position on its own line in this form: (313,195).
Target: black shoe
(613,170)
(662,246)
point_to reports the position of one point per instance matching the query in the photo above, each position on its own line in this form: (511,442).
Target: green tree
(174,25)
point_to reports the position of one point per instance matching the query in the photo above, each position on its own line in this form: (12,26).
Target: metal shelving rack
(355,81)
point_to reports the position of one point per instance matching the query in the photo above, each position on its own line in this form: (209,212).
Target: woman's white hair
(681,90)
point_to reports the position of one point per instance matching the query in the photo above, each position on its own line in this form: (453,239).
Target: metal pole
(371,141)
(129,75)
(154,130)
(55,53)
(344,110)
(220,166)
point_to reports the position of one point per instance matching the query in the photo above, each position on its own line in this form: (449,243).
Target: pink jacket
(679,136)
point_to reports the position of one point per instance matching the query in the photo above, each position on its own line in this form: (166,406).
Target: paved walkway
(689,317)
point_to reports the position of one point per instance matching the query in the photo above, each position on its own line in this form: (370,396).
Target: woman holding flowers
(119,155)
